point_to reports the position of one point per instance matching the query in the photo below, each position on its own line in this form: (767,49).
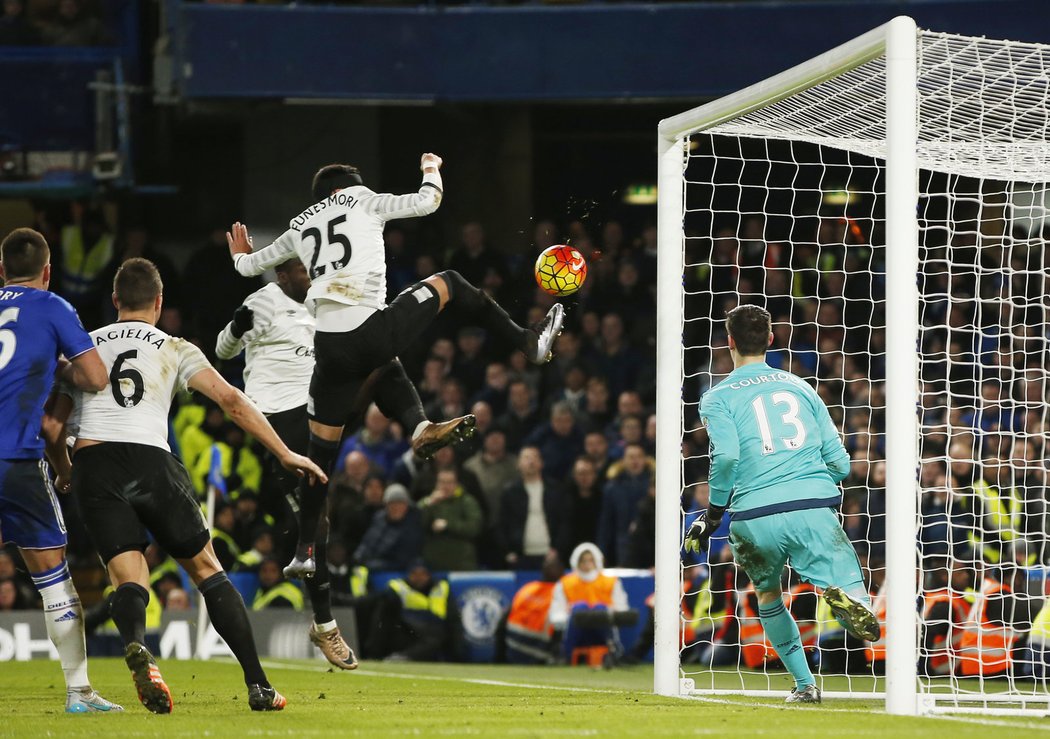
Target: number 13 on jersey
(789,417)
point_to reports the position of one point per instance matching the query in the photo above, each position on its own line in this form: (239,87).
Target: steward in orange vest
(529,632)
(586,589)
(998,617)
(945,608)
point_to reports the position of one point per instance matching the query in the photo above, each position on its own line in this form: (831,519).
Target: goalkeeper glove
(698,538)
(243,320)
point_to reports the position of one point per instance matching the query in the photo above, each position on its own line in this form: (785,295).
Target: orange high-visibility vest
(597,592)
(528,610)
(755,647)
(985,647)
(945,648)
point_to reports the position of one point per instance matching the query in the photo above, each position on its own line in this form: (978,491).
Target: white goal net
(885,203)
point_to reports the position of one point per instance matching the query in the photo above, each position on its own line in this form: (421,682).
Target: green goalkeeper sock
(782,632)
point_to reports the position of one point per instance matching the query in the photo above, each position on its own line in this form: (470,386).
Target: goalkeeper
(776,460)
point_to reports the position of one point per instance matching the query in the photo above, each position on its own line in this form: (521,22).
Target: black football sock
(483,309)
(230,619)
(314,495)
(397,398)
(128,610)
(319,586)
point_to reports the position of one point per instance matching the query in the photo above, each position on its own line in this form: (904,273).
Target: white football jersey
(279,350)
(146,368)
(340,241)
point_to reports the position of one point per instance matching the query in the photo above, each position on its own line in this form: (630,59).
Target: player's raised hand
(430,160)
(303,466)
(239,240)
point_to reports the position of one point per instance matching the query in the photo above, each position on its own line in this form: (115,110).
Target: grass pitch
(444,700)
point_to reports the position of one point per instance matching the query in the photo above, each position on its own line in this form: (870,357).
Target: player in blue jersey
(36,327)
(776,461)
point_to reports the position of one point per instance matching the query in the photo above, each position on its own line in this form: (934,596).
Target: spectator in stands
(494,391)
(274,591)
(641,544)
(414,619)
(620,500)
(596,449)
(452,522)
(72,25)
(379,440)
(530,513)
(586,591)
(616,360)
(572,393)
(559,442)
(630,432)
(260,549)
(474,259)
(581,507)
(520,418)
(87,248)
(239,466)
(9,597)
(347,498)
(136,243)
(469,365)
(15,28)
(450,403)
(494,469)
(566,356)
(26,593)
(177,600)
(395,537)
(226,549)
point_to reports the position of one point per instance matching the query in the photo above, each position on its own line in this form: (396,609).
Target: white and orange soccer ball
(560,270)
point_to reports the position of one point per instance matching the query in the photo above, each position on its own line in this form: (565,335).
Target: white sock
(419,429)
(65,623)
(328,626)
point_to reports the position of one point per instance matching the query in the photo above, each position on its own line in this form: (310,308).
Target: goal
(885,201)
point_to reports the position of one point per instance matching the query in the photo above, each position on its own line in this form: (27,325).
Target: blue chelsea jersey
(36,327)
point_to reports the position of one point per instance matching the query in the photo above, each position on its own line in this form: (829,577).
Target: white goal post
(894,105)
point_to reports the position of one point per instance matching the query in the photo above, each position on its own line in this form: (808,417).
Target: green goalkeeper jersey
(774,447)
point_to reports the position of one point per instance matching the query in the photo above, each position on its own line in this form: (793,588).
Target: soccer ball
(560,270)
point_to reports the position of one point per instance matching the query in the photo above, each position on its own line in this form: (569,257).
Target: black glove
(698,537)
(243,320)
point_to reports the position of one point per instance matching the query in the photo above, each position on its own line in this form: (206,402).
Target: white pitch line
(699,698)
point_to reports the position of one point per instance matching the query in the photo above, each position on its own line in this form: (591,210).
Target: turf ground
(446,700)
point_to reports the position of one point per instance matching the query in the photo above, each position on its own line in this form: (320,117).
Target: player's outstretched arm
(85,372)
(244,413)
(423,202)
(250,263)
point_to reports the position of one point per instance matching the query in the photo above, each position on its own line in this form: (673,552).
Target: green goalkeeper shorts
(811,541)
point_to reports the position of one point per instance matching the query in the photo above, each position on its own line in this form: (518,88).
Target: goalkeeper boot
(808,694)
(541,337)
(154,693)
(333,647)
(854,616)
(265,699)
(87,700)
(300,568)
(437,435)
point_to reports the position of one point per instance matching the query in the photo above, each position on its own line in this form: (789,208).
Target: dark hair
(749,325)
(137,284)
(334,177)
(288,265)
(24,254)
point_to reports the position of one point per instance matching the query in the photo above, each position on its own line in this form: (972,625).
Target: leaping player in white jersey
(130,486)
(276,333)
(359,336)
